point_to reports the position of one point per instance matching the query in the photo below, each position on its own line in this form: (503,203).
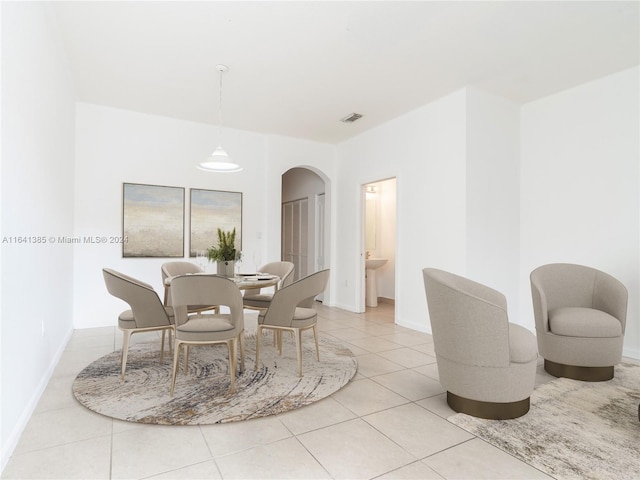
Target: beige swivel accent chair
(487,364)
(146,314)
(173,269)
(255,298)
(207,328)
(580,317)
(291,309)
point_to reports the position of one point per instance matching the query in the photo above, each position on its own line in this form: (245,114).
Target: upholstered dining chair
(486,364)
(257,299)
(173,269)
(207,328)
(291,309)
(580,315)
(146,310)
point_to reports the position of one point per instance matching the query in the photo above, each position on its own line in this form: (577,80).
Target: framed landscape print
(210,210)
(152,221)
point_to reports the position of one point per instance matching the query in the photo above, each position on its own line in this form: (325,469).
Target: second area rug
(574,430)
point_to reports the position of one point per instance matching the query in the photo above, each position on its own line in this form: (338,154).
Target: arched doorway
(305,220)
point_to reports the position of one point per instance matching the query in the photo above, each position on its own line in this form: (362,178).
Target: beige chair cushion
(206,328)
(583,322)
(522,344)
(302,317)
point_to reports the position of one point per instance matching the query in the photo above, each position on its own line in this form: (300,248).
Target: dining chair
(291,309)
(146,312)
(207,328)
(173,269)
(255,298)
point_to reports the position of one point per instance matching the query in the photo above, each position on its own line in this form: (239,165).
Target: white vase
(226,269)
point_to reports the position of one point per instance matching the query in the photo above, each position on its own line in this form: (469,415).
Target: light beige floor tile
(87,459)
(406,425)
(354,450)
(414,471)
(233,437)
(65,425)
(478,460)
(200,471)
(376,330)
(348,333)
(408,357)
(78,342)
(373,364)
(58,394)
(430,370)
(409,339)
(317,415)
(365,396)
(158,449)
(410,384)
(427,348)
(73,362)
(285,459)
(374,344)
(438,405)
(326,325)
(95,332)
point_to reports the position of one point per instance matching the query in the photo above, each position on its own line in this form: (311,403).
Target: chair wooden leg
(186,359)
(299,350)
(241,341)
(176,356)
(162,346)
(258,337)
(315,336)
(125,349)
(231,345)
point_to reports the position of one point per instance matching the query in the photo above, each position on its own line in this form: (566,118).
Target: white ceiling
(296,68)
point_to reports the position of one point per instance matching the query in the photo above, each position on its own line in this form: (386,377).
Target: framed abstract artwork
(210,210)
(152,221)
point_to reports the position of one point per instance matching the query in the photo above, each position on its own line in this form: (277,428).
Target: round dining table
(244,281)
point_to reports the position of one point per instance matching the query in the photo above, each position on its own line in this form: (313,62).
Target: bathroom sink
(373,263)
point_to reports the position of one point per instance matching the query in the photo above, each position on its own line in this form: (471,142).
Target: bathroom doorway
(379,236)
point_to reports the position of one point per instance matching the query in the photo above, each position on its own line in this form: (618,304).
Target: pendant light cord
(220,111)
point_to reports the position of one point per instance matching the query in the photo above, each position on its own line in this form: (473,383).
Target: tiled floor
(389,422)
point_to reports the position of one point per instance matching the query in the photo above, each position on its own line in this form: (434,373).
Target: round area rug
(202,395)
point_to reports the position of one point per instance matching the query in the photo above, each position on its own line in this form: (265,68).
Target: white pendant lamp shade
(219,161)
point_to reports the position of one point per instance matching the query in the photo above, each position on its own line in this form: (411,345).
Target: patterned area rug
(202,395)
(574,430)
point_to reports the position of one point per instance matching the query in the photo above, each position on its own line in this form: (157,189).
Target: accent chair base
(584,374)
(489,410)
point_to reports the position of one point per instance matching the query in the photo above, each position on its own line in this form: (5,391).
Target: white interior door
(295,227)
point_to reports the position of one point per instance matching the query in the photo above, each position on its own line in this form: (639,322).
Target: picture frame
(210,210)
(152,220)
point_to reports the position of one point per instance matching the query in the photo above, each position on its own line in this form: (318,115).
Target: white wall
(580,184)
(115,146)
(37,200)
(493,194)
(425,151)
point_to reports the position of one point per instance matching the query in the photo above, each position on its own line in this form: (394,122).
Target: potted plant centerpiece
(225,254)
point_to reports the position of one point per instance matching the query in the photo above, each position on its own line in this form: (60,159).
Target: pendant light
(219,161)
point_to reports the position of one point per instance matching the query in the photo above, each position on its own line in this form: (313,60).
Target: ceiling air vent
(351,118)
